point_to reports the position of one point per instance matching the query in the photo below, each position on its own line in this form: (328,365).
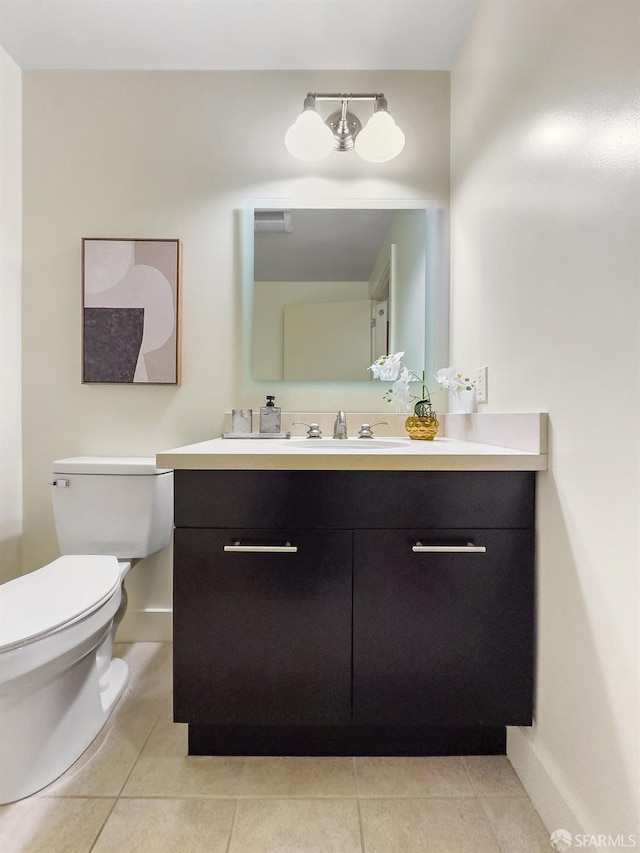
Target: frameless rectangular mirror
(331,289)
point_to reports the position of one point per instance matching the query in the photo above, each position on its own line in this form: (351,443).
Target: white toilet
(58,680)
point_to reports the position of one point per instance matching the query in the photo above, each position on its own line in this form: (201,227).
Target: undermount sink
(349,444)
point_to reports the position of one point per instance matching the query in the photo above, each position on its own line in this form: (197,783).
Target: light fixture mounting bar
(344,96)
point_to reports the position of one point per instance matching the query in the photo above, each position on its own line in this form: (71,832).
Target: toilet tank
(119,505)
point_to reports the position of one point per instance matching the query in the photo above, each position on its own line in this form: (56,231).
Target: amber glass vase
(422,428)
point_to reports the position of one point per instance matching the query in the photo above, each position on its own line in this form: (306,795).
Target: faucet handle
(314,430)
(365,430)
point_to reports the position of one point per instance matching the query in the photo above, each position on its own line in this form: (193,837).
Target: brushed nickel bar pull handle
(288,548)
(470,548)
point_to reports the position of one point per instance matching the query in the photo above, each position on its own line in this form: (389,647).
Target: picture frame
(131,311)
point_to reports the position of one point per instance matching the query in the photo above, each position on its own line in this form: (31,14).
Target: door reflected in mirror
(336,288)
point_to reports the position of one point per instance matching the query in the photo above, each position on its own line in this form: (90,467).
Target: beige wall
(546,292)
(177,155)
(10,311)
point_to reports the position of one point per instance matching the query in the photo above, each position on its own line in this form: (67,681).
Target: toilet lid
(59,593)
(117,465)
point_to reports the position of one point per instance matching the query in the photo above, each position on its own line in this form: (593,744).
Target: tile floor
(135,791)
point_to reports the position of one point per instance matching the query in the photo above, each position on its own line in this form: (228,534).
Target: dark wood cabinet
(263,637)
(355,639)
(442,637)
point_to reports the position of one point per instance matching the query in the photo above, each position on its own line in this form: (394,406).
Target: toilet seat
(65,591)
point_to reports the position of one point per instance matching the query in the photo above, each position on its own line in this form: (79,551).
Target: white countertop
(441,454)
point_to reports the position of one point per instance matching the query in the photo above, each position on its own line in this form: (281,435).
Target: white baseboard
(537,777)
(146,626)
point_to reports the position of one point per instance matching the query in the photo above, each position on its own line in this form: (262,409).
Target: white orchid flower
(400,390)
(449,378)
(387,367)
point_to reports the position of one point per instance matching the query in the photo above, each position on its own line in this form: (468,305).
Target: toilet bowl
(57,684)
(58,679)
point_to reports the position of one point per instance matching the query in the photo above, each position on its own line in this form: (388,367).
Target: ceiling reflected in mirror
(318,245)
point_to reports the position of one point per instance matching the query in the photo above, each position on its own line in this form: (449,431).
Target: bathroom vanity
(329,602)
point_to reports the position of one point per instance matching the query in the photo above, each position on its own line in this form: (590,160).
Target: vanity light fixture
(313,138)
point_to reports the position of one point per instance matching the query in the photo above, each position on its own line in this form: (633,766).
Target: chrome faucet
(340,425)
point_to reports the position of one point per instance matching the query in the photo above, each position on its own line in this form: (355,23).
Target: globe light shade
(309,138)
(380,140)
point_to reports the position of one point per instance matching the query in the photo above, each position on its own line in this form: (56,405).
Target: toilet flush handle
(61,484)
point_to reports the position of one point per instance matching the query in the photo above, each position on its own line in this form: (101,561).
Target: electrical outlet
(481,385)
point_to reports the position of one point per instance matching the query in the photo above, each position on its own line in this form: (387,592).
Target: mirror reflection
(334,289)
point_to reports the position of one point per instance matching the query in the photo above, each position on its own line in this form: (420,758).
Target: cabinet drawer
(443,637)
(262,637)
(354,499)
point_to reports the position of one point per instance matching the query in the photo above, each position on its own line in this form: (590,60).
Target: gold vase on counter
(423,424)
(422,428)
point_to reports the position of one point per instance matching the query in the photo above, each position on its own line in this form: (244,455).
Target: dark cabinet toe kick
(346,740)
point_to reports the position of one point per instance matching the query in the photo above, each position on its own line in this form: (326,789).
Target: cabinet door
(262,637)
(443,637)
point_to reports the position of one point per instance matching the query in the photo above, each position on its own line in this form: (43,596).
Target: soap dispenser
(270,419)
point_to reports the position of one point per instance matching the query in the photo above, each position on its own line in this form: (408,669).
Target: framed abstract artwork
(131,311)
